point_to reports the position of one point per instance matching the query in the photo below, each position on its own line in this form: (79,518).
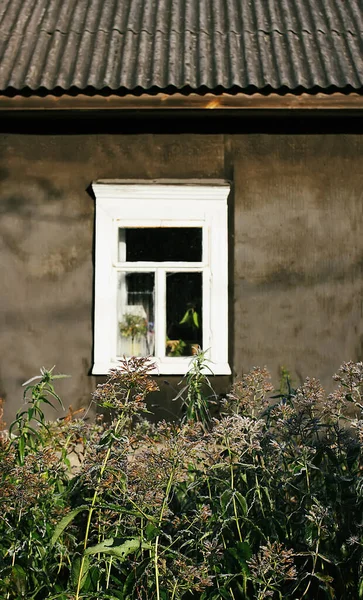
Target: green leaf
(21,448)
(64,522)
(76,571)
(244,550)
(267,494)
(241,553)
(112,548)
(332,457)
(326,583)
(226,499)
(186,317)
(242,502)
(244,477)
(323,577)
(134,575)
(127,511)
(151,531)
(92,577)
(19,576)
(56,397)
(224,593)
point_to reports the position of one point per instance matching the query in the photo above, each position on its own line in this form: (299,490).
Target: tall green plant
(263,501)
(197,393)
(32,481)
(26,432)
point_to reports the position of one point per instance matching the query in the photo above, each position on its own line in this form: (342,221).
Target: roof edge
(162,102)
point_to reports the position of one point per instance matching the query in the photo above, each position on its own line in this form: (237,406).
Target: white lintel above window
(161,274)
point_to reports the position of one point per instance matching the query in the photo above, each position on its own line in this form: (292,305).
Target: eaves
(165,103)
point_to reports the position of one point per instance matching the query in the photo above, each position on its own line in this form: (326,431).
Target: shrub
(264,501)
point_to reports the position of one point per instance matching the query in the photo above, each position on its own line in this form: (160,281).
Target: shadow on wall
(44,227)
(46,237)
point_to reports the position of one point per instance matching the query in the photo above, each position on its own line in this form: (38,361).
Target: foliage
(264,501)
(197,393)
(191,318)
(28,438)
(133,326)
(175,347)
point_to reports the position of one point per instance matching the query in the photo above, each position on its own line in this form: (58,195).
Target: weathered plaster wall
(296,221)
(298,252)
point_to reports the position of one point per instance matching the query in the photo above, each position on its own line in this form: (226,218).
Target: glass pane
(183,313)
(160,244)
(135,314)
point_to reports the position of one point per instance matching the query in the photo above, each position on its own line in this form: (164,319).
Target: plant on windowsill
(190,319)
(175,347)
(187,343)
(134,327)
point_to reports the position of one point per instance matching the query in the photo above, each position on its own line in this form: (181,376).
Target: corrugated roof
(200,45)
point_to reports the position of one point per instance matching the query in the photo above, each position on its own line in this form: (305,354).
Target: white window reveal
(161,274)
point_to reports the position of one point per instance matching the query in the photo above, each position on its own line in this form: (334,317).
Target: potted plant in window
(191,322)
(175,347)
(186,335)
(134,327)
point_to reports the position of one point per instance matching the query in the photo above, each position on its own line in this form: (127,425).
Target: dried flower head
(282,414)
(127,386)
(333,406)
(357,424)
(322,517)
(239,434)
(350,378)
(249,395)
(189,576)
(24,486)
(159,462)
(271,566)
(309,396)
(350,373)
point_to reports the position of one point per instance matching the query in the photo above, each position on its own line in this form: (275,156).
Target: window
(161,274)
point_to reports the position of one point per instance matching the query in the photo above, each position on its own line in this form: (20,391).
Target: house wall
(296,248)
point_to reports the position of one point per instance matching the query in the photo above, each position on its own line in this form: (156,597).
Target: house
(177,173)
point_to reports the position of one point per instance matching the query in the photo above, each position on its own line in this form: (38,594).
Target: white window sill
(170,367)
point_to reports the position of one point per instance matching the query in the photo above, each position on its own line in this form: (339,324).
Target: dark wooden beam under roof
(164,102)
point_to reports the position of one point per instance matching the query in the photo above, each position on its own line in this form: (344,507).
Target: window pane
(160,244)
(135,314)
(183,313)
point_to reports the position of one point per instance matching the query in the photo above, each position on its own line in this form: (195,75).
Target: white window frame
(125,204)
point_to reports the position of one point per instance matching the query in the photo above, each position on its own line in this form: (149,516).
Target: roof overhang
(166,102)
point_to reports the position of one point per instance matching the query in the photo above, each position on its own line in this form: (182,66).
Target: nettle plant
(264,501)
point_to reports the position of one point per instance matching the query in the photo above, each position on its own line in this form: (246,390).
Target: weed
(264,501)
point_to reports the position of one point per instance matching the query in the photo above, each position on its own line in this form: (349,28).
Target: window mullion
(160,312)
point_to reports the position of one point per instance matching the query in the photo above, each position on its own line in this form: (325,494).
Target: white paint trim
(162,205)
(170,192)
(160,313)
(163,368)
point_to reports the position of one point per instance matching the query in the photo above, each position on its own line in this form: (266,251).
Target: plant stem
(232,488)
(95,495)
(174,590)
(166,498)
(314,562)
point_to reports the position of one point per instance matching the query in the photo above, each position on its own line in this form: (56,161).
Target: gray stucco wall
(296,247)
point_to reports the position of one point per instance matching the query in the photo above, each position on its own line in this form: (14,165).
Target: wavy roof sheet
(200,45)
